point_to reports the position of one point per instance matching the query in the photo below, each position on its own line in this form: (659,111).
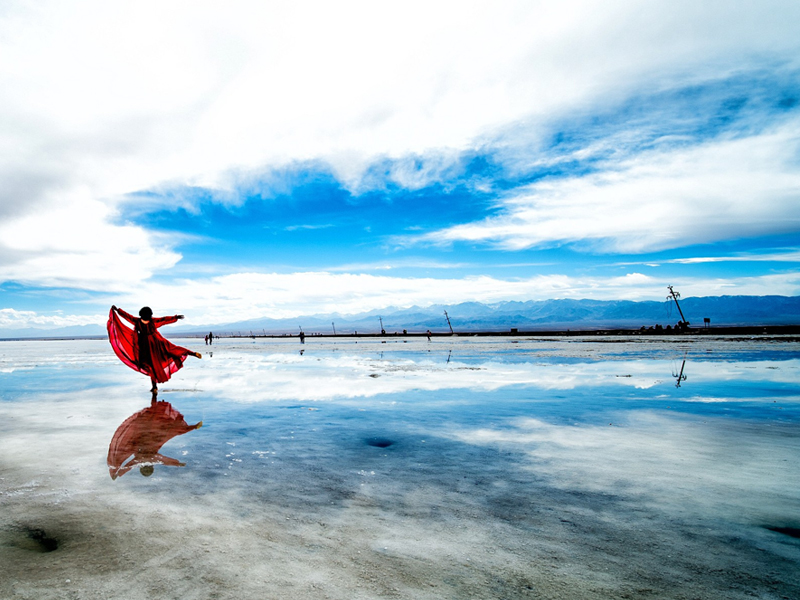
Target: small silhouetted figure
(143,348)
(210,338)
(206,340)
(428,333)
(302,338)
(139,438)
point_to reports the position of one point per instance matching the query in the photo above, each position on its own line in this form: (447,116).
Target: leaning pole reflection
(138,440)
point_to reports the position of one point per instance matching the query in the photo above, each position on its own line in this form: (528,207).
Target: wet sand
(480,469)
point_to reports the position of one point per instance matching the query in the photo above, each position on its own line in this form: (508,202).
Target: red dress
(141,436)
(143,348)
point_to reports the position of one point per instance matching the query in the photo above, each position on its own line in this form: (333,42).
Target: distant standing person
(302,338)
(143,348)
(429,335)
(210,338)
(206,340)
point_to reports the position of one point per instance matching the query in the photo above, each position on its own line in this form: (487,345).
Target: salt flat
(402,468)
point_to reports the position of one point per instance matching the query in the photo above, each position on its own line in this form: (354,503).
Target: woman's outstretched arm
(128,317)
(159,321)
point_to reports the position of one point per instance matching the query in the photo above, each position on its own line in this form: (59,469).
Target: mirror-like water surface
(456,468)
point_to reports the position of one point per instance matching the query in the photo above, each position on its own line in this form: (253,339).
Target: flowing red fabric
(165,357)
(140,437)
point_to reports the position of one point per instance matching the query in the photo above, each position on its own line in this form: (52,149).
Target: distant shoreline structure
(748,330)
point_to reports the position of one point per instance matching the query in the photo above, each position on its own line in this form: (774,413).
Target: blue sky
(265,160)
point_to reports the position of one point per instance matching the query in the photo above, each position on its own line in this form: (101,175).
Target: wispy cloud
(770,257)
(699,472)
(785,256)
(402,263)
(722,189)
(308,227)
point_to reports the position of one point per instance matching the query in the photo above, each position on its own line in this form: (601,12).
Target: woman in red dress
(143,348)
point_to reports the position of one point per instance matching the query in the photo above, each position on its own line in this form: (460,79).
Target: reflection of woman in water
(141,436)
(143,348)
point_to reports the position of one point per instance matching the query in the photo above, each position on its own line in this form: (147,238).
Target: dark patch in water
(790,531)
(378,442)
(41,541)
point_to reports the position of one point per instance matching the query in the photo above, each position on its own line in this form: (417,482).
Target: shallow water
(457,468)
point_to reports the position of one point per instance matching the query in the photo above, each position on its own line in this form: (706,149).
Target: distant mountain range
(542,315)
(502,316)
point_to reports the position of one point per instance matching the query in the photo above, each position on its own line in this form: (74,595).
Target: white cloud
(778,284)
(103,99)
(124,97)
(679,463)
(722,189)
(22,319)
(74,244)
(252,295)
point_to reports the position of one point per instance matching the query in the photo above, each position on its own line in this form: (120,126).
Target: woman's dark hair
(146,313)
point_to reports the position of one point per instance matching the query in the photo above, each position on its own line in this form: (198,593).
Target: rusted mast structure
(680,376)
(674,296)
(446,316)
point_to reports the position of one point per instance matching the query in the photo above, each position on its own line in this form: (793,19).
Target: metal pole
(681,376)
(446,316)
(675,295)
